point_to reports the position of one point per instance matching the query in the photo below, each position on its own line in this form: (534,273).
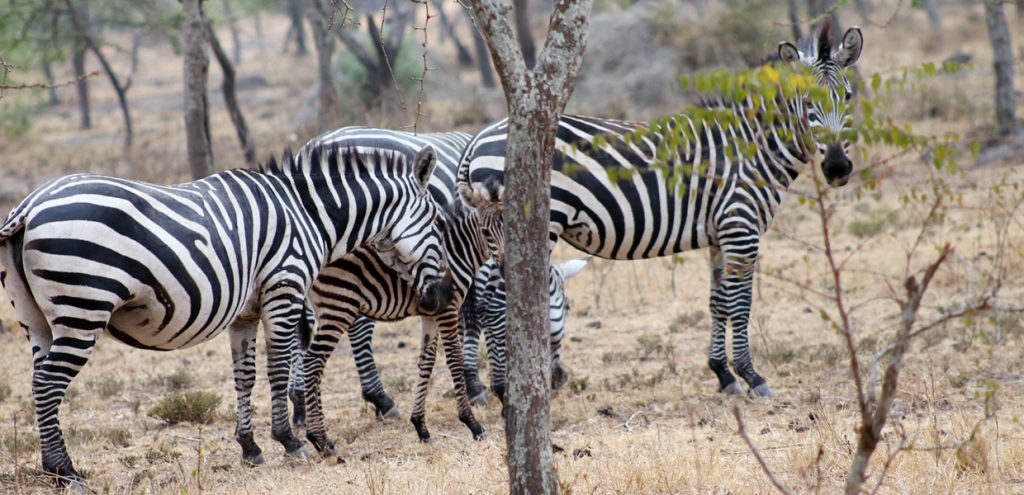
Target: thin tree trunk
(536,98)
(822,10)
(258,27)
(463,56)
(794,19)
(862,9)
(521,9)
(231,99)
(999,36)
(327,93)
(236,44)
(483,60)
(134,52)
(932,7)
(197,116)
(82,84)
(48,73)
(298,29)
(81,25)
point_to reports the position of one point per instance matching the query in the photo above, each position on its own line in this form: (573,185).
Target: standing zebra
(169,267)
(727,209)
(449,146)
(489,315)
(360,286)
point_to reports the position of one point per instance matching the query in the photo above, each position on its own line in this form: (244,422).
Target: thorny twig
(742,431)
(423,76)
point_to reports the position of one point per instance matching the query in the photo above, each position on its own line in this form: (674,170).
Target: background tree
(535,98)
(1002,49)
(321,17)
(231,98)
(197,116)
(385,46)
(521,8)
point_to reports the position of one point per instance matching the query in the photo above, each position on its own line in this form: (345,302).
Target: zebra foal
(169,267)
(726,208)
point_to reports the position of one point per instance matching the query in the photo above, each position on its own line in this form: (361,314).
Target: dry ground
(640,413)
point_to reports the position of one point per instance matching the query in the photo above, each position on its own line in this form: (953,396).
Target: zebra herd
(366,224)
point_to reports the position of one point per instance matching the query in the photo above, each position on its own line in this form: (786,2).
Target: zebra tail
(15,221)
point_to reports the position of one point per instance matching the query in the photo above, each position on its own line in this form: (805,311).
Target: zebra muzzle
(437,296)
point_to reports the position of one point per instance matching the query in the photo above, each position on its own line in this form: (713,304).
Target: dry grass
(640,413)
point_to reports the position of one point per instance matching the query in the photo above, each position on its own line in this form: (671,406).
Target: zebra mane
(346,160)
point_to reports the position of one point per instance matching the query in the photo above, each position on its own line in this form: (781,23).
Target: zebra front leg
(718,305)
(469,319)
(428,353)
(68,353)
(497,356)
(280,337)
(738,290)
(360,336)
(243,363)
(297,383)
(453,354)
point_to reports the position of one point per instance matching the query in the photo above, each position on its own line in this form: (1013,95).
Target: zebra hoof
(763,391)
(479,399)
(76,486)
(392,413)
(733,388)
(253,461)
(301,453)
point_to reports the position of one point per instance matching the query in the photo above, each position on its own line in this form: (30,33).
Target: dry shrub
(193,407)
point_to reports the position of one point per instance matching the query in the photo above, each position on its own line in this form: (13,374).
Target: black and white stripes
(711,194)
(168,267)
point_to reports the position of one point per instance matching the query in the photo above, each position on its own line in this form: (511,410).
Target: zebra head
(828,118)
(487,200)
(407,246)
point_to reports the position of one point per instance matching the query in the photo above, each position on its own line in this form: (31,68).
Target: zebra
(727,209)
(361,286)
(169,267)
(489,315)
(360,332)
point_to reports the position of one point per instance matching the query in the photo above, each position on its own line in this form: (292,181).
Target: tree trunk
(463,56)
(483,59)
(999,36)
(794,20)
(521,9)
(327,93)
(197,117)
(236,44)
(81,25)
(822,10)
(82,84)
(933,17)
(134,51)
(231,99)
(258,27)
(862,9)
(536,98)
(297,29)
(48,73)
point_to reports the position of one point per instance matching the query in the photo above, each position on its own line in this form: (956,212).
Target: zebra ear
(849,51)
(470,197)
(572,268)
(423,167)
(788,53)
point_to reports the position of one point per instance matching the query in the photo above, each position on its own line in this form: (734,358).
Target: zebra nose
(836,165)
(437,296)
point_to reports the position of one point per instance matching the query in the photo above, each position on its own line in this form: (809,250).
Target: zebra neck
(467,251)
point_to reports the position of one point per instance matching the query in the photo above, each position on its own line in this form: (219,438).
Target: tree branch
(492,16)
(742,431)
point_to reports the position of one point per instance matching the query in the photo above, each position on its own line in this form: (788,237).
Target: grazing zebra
(360,286)
(489,315)
(360,332)
(726,209)
(169,267)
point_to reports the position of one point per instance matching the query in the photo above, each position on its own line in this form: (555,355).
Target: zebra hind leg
(69,352)
(243,357)
(470,318)
(315,359)
(360,336)
(297,389)
(280,339)
(737,296)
